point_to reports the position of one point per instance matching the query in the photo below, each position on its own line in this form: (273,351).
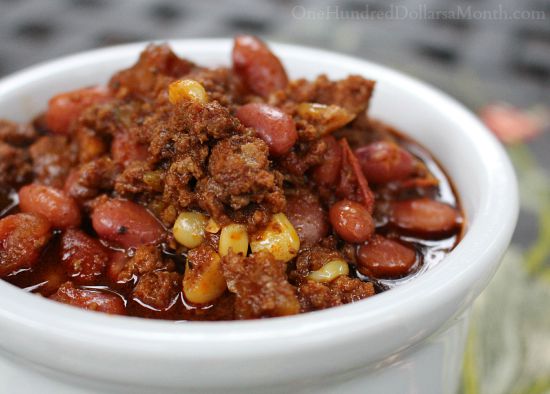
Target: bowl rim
(488,235)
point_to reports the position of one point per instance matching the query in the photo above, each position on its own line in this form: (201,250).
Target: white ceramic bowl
(407,340)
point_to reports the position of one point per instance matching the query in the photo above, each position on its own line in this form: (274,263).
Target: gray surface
(499,59)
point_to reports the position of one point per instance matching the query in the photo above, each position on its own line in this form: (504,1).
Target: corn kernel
(234,237)
(326,118)
(153,179)
(187,89)
(330,271)
(311,110)
(189,229)
(279,238)
(212,226)
(204,282)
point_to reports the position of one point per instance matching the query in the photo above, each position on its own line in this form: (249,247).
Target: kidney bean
(117,261)
(93,300)
(308,217)
(384,161)
(384,258)
(351,221)
(72,186)
(425,216)
(83,257)
(353,184)
(258,68)
(125,148)
(22,238)
(126,223)
(328,172)
(65,108)
(271,124)
(50,276)
(60,209)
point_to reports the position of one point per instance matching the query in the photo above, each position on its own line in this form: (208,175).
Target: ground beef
(91,179)
(156,67)
(240,174)
(299,160)
(205,121)
(15,167)
(260,285)
(118,115)
(158,289)
(53,157)
(146,258)
(180,178)
(352,93)
(137,179)
(219,83)
(342,290)
(182,157)
(16,134)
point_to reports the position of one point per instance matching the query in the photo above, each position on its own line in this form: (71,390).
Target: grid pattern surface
(507,59)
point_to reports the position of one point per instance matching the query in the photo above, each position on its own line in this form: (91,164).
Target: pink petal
(510,124)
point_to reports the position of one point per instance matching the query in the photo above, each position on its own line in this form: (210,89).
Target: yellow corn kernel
(187,89)
(330,271)
(153,179)
(189,229)
(326,118)
(212,226)
(203,280)
(234,237)
(279,238)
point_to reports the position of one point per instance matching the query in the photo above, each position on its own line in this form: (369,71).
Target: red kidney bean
(384,161)
(72,186)
(258,68)
(22,238)
(126,223)
(425,216)
(116,264)
(93,300)
(83,257)
(49,274)
(125,148)
(271,124)
(384,258)
(351,221)
(65,108)
(308,217)
(60,209)
(328,172)
(353,184)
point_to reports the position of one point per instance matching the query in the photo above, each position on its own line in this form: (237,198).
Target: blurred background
(494,56)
